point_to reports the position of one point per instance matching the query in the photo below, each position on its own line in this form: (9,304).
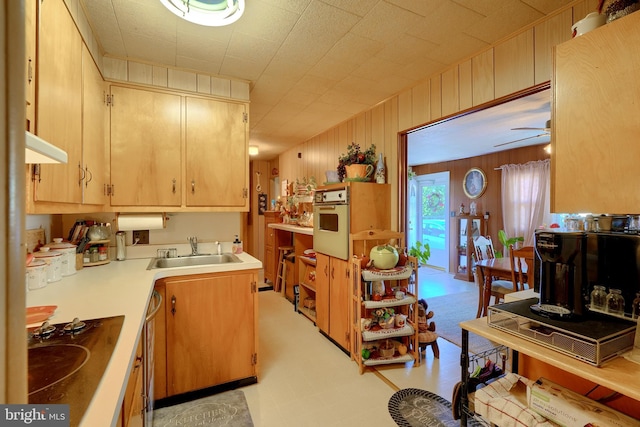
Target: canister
(36,275)
(68,251)
(53,259)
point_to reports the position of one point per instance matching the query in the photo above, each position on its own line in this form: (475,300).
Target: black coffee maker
(560,262)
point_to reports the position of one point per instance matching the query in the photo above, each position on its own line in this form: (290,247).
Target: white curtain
(525,198)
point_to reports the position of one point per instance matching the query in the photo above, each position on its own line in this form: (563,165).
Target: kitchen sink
(186,261)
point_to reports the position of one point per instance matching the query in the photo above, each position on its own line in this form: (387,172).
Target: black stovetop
(66,366)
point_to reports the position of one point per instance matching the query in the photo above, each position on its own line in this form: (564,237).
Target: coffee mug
(400,320)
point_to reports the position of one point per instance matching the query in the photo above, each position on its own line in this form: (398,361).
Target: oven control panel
(331,197)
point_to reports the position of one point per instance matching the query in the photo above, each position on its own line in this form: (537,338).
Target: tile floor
(305,380)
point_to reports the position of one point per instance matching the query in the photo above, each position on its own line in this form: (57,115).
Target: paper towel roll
(152,221)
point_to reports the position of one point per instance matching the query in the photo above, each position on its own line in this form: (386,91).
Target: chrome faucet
(219,248)
(193,241)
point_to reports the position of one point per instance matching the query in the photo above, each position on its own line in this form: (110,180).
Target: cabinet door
(145,148)
(210,331)
(595,126)
(94,119)
(322,292)
(59,105)
(30,54)
(339,302)
(216,161)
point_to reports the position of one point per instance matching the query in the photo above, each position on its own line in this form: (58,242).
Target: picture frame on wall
(474,183)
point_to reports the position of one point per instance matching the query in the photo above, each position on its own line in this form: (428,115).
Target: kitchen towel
(151,221)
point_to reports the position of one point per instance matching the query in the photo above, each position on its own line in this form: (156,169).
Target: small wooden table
(494,267)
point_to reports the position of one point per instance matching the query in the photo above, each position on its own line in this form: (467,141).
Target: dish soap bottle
(236,248)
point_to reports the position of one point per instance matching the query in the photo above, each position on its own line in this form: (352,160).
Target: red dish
(40,313)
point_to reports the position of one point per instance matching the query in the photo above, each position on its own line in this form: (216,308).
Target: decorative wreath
(433,201)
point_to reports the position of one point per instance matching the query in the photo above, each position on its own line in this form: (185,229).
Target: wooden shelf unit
(307,288)
(362,305)
(469,227)
(97,243)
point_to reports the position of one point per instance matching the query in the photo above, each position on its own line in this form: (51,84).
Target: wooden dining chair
(520,258)
(483,248)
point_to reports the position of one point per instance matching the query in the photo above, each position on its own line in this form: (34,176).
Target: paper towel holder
(139,221)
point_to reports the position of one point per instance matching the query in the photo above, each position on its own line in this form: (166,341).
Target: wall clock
(474,183)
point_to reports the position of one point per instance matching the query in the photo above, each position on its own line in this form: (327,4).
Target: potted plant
(507,241)
(357,164)
(421,252)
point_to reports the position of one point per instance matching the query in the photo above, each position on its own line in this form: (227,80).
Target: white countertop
(117,288)
(292,228)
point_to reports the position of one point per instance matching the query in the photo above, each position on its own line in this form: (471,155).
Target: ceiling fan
(546,130)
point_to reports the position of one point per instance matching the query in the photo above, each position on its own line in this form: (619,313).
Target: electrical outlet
(142,236)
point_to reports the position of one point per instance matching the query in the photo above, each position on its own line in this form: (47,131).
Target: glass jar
(102,253)
(93,253)
(598,297)
(635,306)
(615,302)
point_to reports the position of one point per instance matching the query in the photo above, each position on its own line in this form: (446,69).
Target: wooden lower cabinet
(133,403)
(332,298)
(210,331)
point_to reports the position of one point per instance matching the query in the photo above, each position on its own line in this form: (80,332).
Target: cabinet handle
(86,184)
(138,362)
(326,270)
(333,271)
(174,186)
(113,189)
(83,175)
(30,73)
(173,305)
(193,187)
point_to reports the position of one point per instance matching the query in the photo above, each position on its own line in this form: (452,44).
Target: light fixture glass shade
(212,13)
(253,150)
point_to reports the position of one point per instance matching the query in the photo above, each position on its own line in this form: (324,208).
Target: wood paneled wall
(490,201)
(475,82)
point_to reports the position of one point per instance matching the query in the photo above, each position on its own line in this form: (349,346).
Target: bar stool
(281,275)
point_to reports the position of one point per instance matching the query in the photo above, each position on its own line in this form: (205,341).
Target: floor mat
(227,409)
(412,407)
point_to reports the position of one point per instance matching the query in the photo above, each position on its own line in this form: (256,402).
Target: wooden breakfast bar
(301,238)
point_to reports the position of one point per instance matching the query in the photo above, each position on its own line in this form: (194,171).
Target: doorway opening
(428,207)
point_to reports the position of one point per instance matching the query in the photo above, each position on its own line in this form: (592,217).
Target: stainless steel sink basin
(186,261)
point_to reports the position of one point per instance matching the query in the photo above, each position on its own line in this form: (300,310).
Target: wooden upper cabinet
(514,66)
(30,13)
(94,137)
(59,103)
(482,77)
(145,148)
(450,91)
(217,161)
(595,121)
(549,33)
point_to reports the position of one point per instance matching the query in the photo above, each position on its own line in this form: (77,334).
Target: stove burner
(75,326)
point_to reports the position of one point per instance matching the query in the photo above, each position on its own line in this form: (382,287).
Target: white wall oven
(331,222)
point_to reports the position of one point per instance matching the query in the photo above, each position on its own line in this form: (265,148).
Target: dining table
(492,269)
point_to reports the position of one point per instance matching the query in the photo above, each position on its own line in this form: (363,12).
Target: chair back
(521,266)
(483,248)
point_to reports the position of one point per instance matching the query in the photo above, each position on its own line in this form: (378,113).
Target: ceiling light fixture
(212,13)
(253,150)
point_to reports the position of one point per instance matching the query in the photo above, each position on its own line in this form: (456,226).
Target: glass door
(428,201)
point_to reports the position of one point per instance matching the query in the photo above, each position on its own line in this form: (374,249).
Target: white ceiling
(314,63)
(486,131)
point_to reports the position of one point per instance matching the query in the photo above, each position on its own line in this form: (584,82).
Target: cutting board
(35,237)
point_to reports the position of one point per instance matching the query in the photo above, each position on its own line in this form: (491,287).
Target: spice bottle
(615,302)
(598,298)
